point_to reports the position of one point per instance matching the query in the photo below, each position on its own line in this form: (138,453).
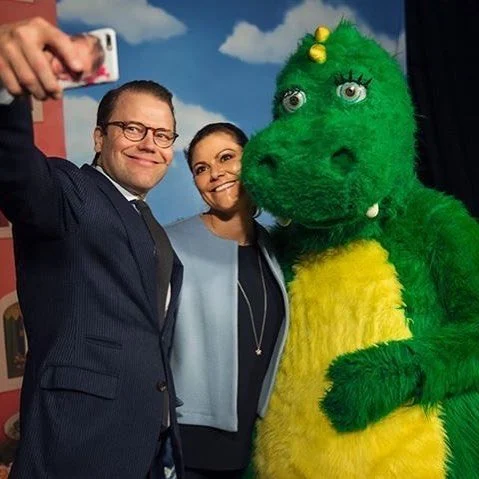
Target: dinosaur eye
(293,100)
(351,92)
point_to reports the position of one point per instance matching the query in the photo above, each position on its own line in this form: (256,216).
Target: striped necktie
(164,267)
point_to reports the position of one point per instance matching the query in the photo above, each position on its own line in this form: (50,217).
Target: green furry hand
(369,384)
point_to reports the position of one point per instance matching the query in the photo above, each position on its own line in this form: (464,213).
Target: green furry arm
(449,355)
(433,365)
(369,384)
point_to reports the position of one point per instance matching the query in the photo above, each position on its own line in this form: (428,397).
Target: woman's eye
(352,92)
(199,170)
(226,157)
(293,100)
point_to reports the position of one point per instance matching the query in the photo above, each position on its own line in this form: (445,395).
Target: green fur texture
(322,162)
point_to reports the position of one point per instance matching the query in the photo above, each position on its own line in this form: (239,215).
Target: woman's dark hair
(237,133)
(109,101)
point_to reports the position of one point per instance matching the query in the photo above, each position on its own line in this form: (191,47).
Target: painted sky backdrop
(219,58)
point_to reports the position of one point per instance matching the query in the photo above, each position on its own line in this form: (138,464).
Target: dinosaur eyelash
(280,95)
(340,79)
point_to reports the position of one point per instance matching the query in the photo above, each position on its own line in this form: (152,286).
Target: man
(93,280)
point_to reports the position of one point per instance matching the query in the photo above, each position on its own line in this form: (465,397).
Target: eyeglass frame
(124,124)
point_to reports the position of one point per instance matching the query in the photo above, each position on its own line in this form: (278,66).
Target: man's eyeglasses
(135,131)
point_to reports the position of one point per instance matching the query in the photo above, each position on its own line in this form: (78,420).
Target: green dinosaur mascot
(380,375)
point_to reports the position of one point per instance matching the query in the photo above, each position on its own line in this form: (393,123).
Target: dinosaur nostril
(343,160)
(268,161)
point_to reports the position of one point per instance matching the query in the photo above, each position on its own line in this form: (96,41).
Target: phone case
(100,48)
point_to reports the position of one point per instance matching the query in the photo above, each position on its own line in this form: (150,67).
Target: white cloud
(397,48)
(250,44)
(190,118)
(136,20)
(80,119)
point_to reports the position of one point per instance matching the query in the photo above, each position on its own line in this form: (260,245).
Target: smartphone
(99,50)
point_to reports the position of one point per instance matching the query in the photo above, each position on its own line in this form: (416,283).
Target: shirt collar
(129,196)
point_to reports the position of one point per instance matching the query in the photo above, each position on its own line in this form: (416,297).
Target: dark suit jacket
(97,369)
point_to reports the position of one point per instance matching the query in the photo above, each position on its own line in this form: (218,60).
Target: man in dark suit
(97,282)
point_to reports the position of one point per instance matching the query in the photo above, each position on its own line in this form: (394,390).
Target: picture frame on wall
(13,343)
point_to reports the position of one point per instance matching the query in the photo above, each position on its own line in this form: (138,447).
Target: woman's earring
(284,222)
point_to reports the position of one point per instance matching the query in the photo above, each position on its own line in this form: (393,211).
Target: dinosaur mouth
(319,224)
(328,224)
(371,213)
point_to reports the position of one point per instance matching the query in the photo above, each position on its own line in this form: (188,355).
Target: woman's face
(216,165)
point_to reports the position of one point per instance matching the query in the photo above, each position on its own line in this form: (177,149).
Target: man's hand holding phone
(38,58)
(24,64)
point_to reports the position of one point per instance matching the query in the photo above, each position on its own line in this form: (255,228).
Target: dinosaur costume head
(334,149)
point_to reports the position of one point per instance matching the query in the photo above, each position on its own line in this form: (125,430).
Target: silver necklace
(257,341)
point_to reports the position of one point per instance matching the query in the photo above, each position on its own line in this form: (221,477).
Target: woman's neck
(238,226)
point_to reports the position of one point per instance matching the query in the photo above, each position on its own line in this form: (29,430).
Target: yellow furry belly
(343,300)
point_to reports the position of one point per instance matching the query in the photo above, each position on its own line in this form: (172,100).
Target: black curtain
(442,44)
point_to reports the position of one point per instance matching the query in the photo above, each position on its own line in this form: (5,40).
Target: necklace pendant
(258,352)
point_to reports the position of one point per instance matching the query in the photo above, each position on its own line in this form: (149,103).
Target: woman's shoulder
(182,231)
(183,225)
(188,235)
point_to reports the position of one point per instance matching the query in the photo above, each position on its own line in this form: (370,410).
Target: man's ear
(98,139)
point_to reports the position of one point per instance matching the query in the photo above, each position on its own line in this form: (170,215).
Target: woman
(232,318)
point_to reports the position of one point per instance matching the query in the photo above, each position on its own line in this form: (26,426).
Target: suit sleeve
(31,190)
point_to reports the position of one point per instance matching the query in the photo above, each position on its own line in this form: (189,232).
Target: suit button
(161,386)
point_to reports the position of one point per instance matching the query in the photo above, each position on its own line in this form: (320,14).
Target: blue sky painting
(219,58)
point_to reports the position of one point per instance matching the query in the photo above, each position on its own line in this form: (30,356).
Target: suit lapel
(141,244)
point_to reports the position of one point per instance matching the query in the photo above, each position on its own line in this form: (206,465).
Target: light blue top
(205,345)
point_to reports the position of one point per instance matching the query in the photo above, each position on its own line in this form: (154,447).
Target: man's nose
(148,141)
